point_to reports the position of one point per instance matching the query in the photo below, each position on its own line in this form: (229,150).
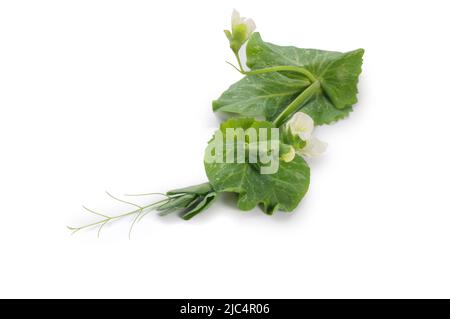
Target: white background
(116,95)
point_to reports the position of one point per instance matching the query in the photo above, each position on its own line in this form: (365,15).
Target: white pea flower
(241,30)
(301,124)
(241,22)
(313,148)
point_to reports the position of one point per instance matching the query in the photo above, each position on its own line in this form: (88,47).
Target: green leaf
(337,73)
(281,190)
(263,94)
(323,111)
(202,205)
(177,203)
(200,189)
(190,200)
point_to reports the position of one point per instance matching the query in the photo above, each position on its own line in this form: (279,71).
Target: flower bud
(287,153)
(241,30)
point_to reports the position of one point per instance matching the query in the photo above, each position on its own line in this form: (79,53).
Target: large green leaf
(337,73)
(320,108)
(263,94)
(281,190)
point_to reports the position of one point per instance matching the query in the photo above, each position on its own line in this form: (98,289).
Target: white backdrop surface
(116,95)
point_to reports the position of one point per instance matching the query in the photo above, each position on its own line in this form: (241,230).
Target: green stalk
(288,68)
(241,69)
(299,100)
(279,68)
(111,218)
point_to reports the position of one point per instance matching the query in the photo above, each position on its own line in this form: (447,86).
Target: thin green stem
(289,68)
(299,100)
(96,213)
(238,58)
(279,68)
(108,219)
(100,228)
(123,201)
(235,67)
(146,194)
